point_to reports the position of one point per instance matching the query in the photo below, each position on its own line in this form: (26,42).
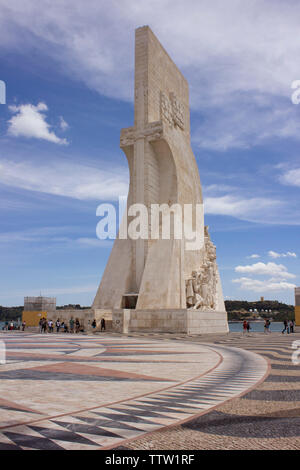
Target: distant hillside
(15,313)
(10,313)
(239,309)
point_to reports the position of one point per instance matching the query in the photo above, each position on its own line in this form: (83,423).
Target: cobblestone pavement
(266,418)
(62,391)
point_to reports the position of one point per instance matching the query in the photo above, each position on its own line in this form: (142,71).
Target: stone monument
(164,283)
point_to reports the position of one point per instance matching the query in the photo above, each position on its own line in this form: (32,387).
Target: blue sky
(69,68)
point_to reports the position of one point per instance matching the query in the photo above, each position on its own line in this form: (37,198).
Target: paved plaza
(108,391)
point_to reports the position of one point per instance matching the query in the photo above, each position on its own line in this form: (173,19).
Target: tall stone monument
(167,283)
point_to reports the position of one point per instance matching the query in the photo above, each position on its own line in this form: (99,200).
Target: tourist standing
(267,326)
(102,324)
(23,325)
(248,327)
(291,326)
(77,325)
(44,325)
(72,325)
(244,327)
(94,324)
(57,325)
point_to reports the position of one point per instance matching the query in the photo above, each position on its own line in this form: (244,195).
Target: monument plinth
(165,283)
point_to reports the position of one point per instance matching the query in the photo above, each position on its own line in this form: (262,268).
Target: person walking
(248,327)
(57,324)
(244,327)
(291,326)
(77,325)
(94,324)
(23,325)
(285,323)
(102,324)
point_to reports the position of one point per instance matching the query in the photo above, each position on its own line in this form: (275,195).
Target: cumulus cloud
(30,121)
(253,256)
(239,57)
(288,254)
(66,179)
(256,285)
(270,269)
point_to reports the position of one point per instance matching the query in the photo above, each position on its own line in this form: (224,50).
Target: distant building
(297,306)
(262,299)
(37,307)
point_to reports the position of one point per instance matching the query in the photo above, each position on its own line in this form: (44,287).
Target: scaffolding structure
(40,304)
(36,308)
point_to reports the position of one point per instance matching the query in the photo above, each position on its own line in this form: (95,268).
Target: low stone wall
(170,321)
(100,313)
(206,322)
(121,320)
(181,321)
(84,316)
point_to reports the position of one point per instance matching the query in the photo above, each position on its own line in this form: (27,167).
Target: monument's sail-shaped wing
(166,272)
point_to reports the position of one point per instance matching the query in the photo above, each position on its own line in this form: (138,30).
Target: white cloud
(94,242)
(291,177)
(30,122)
(245,122)
(288,254)
(253,256)
(256,285)
(237,56)
(269,269)
(243,207)
(63,124)
(66,179)
(217,188)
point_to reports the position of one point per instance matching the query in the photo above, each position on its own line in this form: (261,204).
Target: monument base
(184,321)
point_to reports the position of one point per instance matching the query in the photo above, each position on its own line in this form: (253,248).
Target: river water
(256,326)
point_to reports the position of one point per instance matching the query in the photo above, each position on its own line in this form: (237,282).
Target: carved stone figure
(202,287)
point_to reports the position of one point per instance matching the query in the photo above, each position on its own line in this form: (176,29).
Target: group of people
(288,326)
(246,327)
(47,326)
(13,326)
